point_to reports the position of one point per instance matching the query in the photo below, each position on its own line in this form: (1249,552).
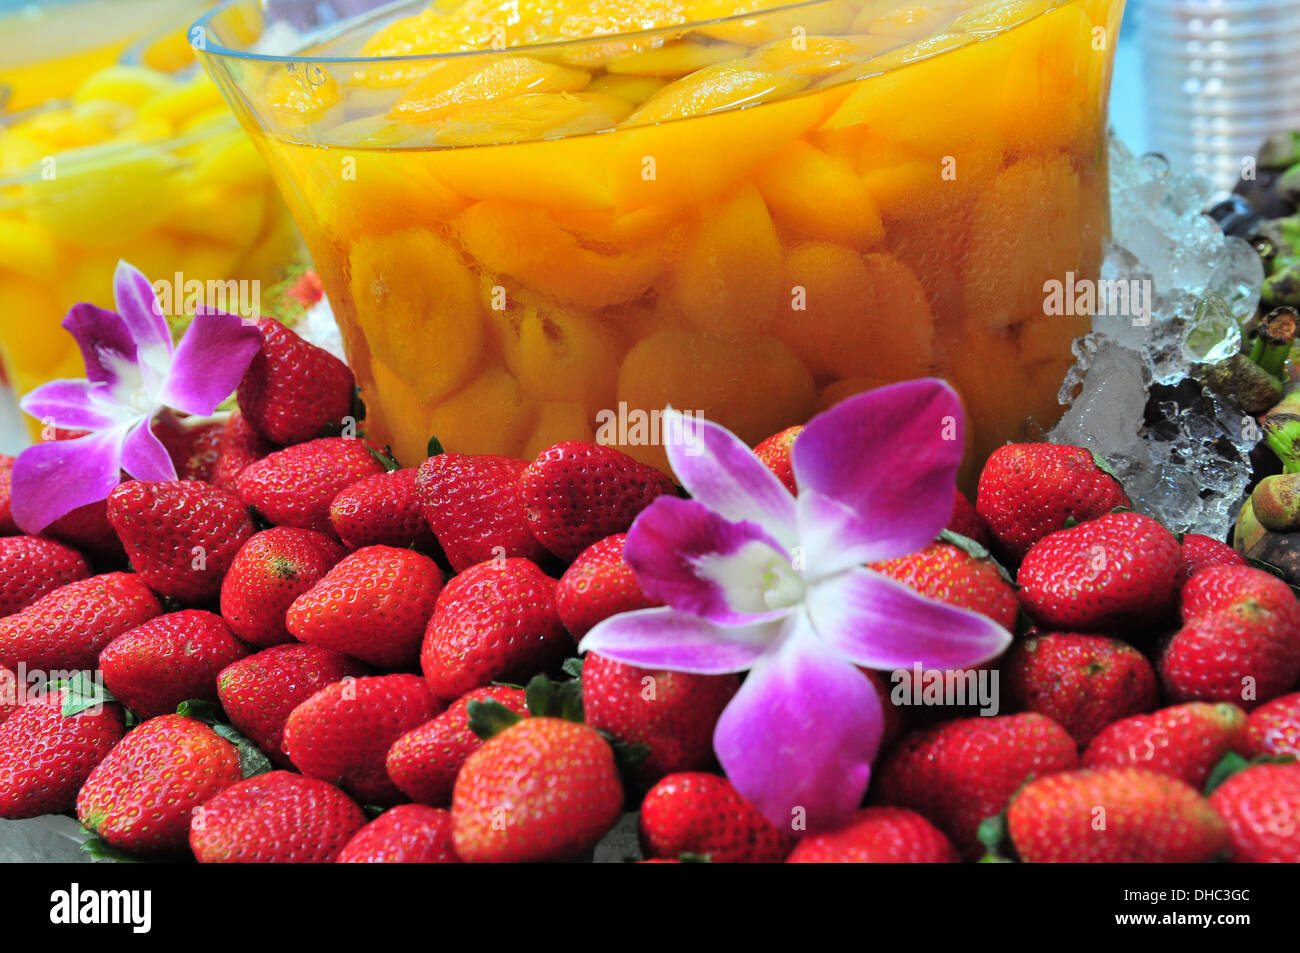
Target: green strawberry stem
(1281,427)
(1233,763)
(489,718)
(1274,339)
(995,837)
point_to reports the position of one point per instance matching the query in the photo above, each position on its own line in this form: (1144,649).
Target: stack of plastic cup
(1220,77)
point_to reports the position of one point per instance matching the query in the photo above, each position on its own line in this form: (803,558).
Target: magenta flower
(757,580)
(132,372)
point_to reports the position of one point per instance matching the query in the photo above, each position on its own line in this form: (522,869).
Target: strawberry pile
(300,651)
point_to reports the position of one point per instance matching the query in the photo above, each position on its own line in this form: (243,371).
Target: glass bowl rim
(225,52)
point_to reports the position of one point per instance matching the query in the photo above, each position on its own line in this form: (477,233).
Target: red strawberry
(543,789)
(12,692)
(1240,640)
(598,585)
(959,772)
(271,570)
(382,509)
(1083,682)
(293,390)
(295,486)
(950,574)
(240,445)
(87,530)
(275,817)
(343,732)
(7,525)
(966,522)
(140,797)
(1116,573)
(424,762)
(181,535)
(1202,552)
(1273,729)
(1114,815)
(46,757)
(374,605)
(696,813)
(1028,490)
(878,835)
(193,443)
(494,622)
(775,454)
(68,628)
(672,713)
(156,666)
(1184,741)
(1261,805)
(472,504)
(578,493)
(406,834)
(259,692)
(31,566)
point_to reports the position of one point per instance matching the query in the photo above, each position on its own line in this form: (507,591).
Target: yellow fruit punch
(138,165)
(738,208)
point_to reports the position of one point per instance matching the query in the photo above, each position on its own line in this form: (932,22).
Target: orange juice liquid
(752,219)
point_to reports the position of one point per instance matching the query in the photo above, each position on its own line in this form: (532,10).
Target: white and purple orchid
(756,579)
(132,372)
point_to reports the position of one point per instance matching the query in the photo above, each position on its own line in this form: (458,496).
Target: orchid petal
(107,348)
(691,558)
(663,638)
(876,474)
(877,622)
(54,478)
(801,733)
(145,457)
(75,405)
(719,471)
(209,362)
(141,312)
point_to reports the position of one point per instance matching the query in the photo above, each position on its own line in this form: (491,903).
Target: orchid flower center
(782,586)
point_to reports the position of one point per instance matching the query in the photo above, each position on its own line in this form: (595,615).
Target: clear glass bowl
(750,215)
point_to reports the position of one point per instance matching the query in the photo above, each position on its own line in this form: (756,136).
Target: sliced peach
(912,22)
(556,422)
(562,173)
(839,390)
(600,22)
(26,249)
(445,90)
(853,315)
(633,89)
(488,415)
(998,15)
(829,17)
(394,414)
(1047,339)
(753,386)
(531,116)
(526,243)
(1025,231)
(815,195)
(675,59)
(816,56)
(129,85)
(378,195)
(713,88)
(178,104)
(227,216)
(728,280)
(417,306)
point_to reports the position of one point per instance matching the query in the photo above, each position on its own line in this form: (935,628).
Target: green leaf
(1233,763)
(435,447)
(372,810)
(385,458)
(1103,466)
(686,857)
(489,718)
(200,709)
(627,757)
(976,551)
(572,667)
(252,760)
(993,834)
(102,851)
(81,692)
(551,699)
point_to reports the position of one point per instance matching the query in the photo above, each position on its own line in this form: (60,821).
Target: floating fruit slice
(713,88)
(488,415)
(816,195)
(531,116)
(676,59)
(830,17)
(1026,229)
(633,89)
(913,22)
(301,94)
(606,20)
(755,387)
(228,160)
(459,84)
(561,173)
(178,104)
(1047,339)
(555,354)
(833,393)
(999,15)
(728,280)
(855,316)
(816,56)
(216,213)
(129,85)
(557,421)
(527,244)
(417,306)
(996,391)
(378,195)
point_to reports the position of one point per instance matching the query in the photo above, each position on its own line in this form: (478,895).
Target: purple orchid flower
(757,580)
(132,371)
